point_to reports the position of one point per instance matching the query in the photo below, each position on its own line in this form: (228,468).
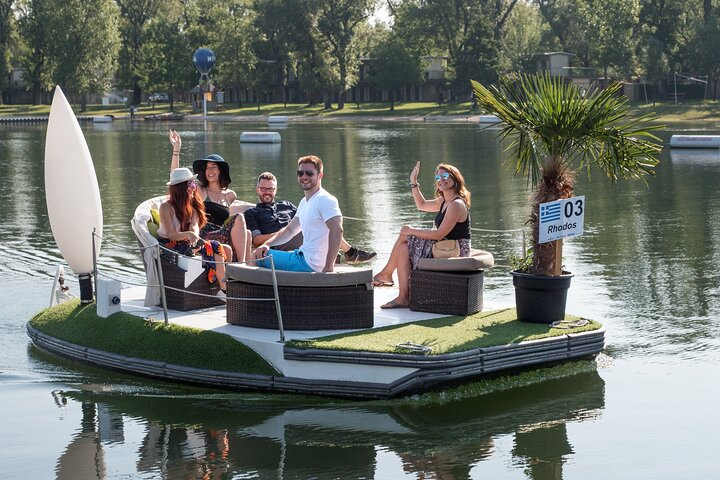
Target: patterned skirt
(220,233)
(422,248)
(206,248)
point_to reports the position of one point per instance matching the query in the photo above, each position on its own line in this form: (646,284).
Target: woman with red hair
(182,216)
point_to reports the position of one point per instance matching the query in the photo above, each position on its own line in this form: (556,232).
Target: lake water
(647,267)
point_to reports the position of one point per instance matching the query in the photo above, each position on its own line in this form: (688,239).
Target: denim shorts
(290,261)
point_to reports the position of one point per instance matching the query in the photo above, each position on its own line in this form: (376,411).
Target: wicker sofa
(308,301)
(452,286)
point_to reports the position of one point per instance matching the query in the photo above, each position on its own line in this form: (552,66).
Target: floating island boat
(310,333)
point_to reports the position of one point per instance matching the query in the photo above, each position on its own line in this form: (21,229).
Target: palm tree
(557,130)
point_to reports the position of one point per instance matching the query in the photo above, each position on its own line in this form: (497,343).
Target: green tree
(38,62)
(705,50)
(525,32)
(338,22)
(394,66)
(8,38)
(167,58)
(556,131)
(135,15)
(85,45)
(469,32)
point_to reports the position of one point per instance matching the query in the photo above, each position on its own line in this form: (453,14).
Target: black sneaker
(355,255)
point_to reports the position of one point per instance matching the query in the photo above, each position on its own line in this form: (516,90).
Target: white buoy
(259,137)
(489,119)
(695,141)
(103,119)
(71,192)
(278,119)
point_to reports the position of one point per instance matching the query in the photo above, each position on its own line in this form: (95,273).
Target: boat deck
(357,374)
(215,318)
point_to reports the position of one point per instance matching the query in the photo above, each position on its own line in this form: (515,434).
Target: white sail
(71,187)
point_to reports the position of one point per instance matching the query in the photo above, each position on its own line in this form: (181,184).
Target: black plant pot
(540,298)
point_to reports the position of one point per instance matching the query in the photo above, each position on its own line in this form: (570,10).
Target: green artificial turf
(133,336)
(445,335)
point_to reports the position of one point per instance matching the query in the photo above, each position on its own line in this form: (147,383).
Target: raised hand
(415,172)
(175,140)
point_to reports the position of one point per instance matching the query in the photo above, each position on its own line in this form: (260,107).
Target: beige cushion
(478,260)
(342,276)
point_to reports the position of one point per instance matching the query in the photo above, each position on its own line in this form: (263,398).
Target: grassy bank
(668,113)
(446,335)
(126,334)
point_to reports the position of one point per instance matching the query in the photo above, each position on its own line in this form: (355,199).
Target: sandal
(382,283)
(394,304)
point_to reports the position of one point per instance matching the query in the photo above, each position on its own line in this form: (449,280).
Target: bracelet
(413,185)
(176,153)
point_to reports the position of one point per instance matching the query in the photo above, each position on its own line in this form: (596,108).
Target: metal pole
(675,81)
(277,300)
(94,260)
(158,263)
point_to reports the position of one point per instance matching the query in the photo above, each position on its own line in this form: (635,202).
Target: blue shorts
(290,261)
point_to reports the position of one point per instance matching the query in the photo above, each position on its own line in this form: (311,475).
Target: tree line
(146,45)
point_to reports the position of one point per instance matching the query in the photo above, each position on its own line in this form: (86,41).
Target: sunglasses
(267,189)
(443,176)
(309,173)
(191,185)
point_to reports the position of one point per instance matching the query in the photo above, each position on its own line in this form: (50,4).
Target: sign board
(562,219)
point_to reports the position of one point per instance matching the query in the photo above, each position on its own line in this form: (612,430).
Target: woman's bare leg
(239,238)
(386,274)
(220,265)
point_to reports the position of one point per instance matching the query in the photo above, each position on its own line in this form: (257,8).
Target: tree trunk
(327,100)
(556,183)
(137,94)
(341,99)
(392,101)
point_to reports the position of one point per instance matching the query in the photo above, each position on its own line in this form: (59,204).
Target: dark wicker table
(308,301)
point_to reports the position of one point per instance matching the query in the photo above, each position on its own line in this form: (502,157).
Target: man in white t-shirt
(318,218)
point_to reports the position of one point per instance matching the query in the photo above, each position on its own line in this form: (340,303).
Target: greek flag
(550,212)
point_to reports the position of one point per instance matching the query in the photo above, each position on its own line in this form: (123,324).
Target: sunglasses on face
(191,185)
(309,173)
(266,189)
(442,176)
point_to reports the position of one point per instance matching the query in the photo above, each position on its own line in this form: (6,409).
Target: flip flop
(393,304)
(382,283)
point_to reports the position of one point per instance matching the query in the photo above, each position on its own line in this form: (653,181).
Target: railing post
(277,300)
(158,263)
(94,253)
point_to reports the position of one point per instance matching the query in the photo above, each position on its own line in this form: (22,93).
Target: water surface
(647,267)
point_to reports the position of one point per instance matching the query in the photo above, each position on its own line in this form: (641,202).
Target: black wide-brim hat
(200,164)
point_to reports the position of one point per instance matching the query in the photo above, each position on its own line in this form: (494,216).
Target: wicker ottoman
(175,277)
(452,286)
(308,301)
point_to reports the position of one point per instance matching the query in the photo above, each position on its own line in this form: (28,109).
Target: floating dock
(259,137)
(338,373)
(695,141)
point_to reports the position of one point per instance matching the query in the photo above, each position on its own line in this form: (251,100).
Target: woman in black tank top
(214,178)
(452,204)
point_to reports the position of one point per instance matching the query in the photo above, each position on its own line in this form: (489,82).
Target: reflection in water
(84,456)
(224,435)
